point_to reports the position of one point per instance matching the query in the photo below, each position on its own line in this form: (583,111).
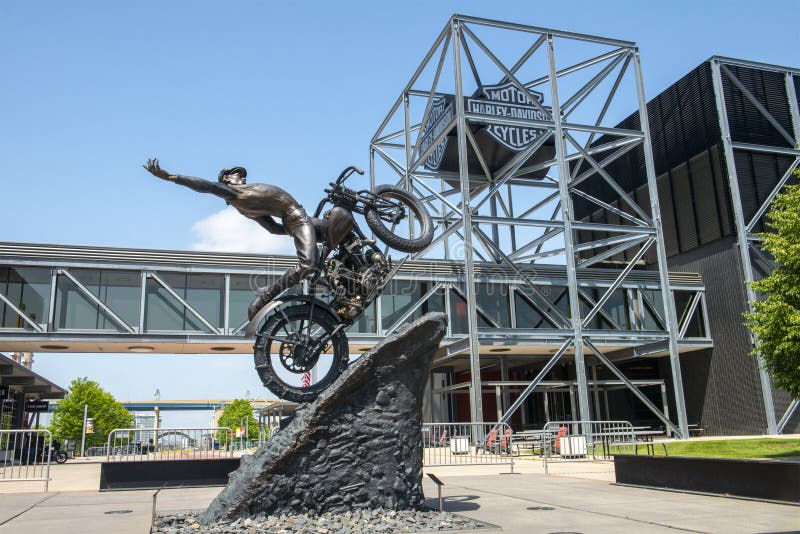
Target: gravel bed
(359,521)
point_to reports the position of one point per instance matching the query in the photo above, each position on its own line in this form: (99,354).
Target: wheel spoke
(283,325)
(296,341)
(285,341)
(285,317)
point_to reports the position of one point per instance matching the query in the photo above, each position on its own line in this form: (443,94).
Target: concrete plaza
(574,497)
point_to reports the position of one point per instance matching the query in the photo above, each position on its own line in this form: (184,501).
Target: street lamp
(83,430)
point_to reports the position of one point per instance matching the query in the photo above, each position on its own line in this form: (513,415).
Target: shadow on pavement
(455,503)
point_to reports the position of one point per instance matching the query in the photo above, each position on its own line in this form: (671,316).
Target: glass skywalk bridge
(60,298)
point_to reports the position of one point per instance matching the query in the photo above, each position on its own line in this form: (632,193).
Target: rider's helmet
(226,176)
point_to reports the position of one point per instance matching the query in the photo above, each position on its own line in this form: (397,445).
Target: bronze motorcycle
(301,346)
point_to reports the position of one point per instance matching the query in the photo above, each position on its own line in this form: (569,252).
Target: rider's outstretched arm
(197,184)
(205,186)
(271,225)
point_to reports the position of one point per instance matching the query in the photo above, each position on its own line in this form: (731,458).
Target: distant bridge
(183,405)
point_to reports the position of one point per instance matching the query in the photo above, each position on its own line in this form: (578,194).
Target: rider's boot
(263,296)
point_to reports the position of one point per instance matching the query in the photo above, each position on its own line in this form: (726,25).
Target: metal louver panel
(747,123)
(707,215)
(684,208)
(668,215)
(758,175)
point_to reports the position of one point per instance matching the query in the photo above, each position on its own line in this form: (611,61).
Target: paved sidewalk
(76,512)
(531,503)
(523,503)
(71,476)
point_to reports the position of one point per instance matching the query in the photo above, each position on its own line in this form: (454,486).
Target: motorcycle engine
(355,279)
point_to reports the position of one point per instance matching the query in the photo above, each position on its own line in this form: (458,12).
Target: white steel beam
(741,229)
(476,402)
(183,302)
(661,254)
(21,313)
(568,216)
(102,305)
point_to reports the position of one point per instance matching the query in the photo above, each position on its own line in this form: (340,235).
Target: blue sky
(291,90)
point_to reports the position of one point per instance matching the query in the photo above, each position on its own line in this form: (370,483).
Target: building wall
(721,385)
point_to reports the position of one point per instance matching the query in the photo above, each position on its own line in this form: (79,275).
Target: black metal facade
(723,392)
(722,388)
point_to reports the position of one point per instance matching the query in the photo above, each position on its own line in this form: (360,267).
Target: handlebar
(342,177)
(320,206)
(347,172)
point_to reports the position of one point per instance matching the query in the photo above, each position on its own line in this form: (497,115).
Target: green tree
(107,413)
(234,415)
(775,319)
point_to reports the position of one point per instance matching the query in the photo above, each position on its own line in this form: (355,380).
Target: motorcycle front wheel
(287,355)
(60,457)
(411,234)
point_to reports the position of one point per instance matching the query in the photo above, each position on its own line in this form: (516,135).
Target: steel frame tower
(728,85)
(500,214)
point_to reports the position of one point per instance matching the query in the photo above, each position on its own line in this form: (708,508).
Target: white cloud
(229,231)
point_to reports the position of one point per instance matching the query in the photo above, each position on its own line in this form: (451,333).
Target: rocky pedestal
(358,445)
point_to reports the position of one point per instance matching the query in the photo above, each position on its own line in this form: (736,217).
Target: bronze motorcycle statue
(301,346)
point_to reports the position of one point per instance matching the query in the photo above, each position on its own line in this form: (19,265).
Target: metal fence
(96,451)
(25,455)
(574,441)
(264,434)
(468,444)
(137,445)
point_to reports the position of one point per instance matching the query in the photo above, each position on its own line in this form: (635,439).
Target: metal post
(569,253)
(670,316)
(142,301)
(18,414)
(546,407)
(572,401)
(741,230)
(596,391)
(83,431)
(794,111)
(498,399)
(524,416)
(665,404)
(513,229)
(476,408)
(226,305)
(495,227)
(506,394)
(51,311)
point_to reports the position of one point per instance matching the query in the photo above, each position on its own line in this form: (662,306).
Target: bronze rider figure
(264,203)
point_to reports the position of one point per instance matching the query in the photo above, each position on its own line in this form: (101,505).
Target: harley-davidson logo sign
(492,101)
(439,117)
(506,100)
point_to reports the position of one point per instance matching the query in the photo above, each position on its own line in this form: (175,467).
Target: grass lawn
(734,448)
(722,448)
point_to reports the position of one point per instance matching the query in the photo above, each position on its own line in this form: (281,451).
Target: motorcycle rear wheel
(281,358)
(423,235)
